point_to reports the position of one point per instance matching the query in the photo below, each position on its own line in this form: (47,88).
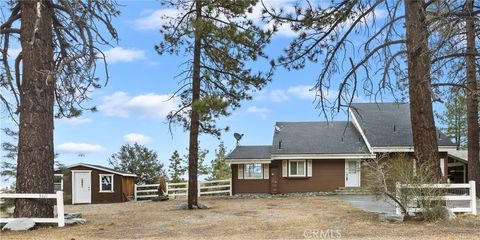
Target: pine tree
(51,77)
(176,168)
(454,119)
(220,169)
(220,40)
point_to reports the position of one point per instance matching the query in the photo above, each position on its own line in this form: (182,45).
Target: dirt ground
(268,218)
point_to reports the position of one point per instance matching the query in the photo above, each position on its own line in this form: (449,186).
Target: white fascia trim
(101,169)
(359,129)
(247,161)
(322,156)
(409,149)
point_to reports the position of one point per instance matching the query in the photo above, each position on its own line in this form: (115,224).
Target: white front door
(352,173)
(81,187)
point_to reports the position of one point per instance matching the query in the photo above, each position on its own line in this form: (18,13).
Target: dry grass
(274,218)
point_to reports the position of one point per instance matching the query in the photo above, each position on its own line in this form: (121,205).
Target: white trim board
(247,161)
(100,183)
(360,130)
(322,156)
(409,149)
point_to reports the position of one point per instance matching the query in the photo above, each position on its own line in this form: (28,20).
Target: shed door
(82,187)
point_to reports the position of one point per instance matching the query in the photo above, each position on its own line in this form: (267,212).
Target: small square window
(253,171)
(106,182)
(297,168)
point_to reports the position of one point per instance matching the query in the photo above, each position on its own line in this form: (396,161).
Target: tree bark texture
(35,143)
(473,128)
(421,110)
(195,117)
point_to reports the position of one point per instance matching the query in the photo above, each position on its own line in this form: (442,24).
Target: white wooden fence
(60,220)
(451,199)
(148,191)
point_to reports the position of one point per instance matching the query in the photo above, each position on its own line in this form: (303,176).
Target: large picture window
(253,171)
(297,168)
(106,182)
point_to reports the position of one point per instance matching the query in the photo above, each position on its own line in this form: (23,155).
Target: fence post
(166,188)
(473,197)
(397,195)
(135,192)
(230,181)
(60,209)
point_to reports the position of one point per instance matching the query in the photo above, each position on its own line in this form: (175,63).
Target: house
(85,183)
(326,156)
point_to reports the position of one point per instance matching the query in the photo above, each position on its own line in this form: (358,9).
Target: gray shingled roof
(388,124)
(250,152)
(338,137)
(106,169)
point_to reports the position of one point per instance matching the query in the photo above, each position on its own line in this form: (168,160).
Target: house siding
(327,175)
(248,185)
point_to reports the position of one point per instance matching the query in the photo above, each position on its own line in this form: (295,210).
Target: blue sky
(132,107)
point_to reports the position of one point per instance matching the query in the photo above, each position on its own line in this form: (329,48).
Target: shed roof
(102,168)
(338,137)
(389,124)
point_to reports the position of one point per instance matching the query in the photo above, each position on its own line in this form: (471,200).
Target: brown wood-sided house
(327,156)
(87,183)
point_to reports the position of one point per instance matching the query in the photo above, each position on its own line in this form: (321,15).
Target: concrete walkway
(369,203)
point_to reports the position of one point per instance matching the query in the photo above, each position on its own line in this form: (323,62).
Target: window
(253,171)
(58,182)
(106,182)
(297,168)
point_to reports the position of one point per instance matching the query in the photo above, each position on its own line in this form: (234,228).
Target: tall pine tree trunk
(472,102)
(421,111)
(35,143)
(195,117)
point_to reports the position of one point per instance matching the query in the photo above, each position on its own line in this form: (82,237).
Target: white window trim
(100,180)
(61,180)
(304,168)
(245,171)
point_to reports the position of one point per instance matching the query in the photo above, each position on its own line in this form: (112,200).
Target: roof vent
(394,128)
(278,128)
(342,139)
(280,144)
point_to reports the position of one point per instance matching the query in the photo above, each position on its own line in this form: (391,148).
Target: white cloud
(136,138)
(79,148)
(155,19)
(150,105)
(119,54)
(76,121)
(301,92)
(260,111)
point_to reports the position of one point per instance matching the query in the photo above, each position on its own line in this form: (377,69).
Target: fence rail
(60,220)
(144,192)
(451,198)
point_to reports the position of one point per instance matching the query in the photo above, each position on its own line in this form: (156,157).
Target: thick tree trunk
(472,102)
(421,111)
(195,117)
(35,143)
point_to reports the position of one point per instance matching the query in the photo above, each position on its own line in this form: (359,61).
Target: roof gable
(388,124)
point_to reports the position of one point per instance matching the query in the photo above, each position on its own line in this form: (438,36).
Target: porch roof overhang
(247,161)
(324,156)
